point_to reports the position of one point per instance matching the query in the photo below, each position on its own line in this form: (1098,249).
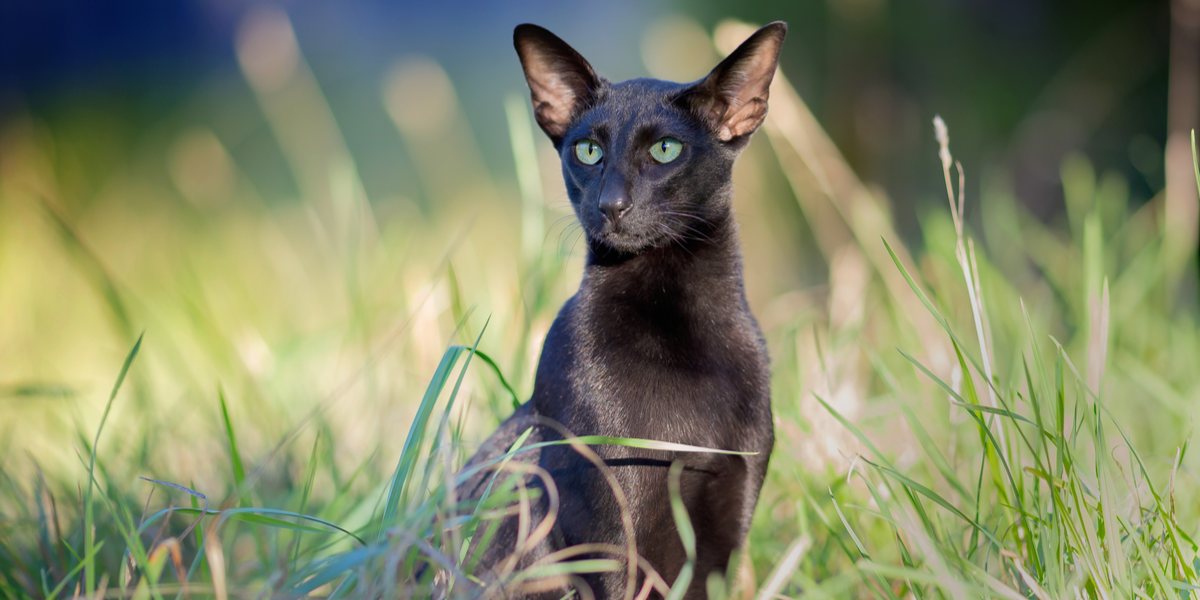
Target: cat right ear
(732,99)
(561,82)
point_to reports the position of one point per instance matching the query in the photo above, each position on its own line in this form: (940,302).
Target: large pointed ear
(560,81)
(732,98)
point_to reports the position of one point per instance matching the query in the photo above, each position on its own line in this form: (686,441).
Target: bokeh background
(1092,74)
(178,96)
(302,203)
(198,112)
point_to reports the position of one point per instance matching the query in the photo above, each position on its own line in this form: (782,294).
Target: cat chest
(692,381)
(699,399)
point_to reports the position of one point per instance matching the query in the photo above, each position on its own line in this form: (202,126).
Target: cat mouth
(624,240)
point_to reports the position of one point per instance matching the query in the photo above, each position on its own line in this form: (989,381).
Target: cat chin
(626,243)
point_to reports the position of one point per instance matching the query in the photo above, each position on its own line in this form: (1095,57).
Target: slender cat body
(659,342)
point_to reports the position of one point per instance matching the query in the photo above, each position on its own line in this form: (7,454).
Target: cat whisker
(564,242)
(691,230)
(565,225)
(694,232)
(686,216)
(673,237)
(566,231)
(578,237)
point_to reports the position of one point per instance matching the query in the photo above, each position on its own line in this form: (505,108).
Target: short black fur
(659,341)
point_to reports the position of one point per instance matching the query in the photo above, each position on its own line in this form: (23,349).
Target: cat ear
(560,81)
(732,98)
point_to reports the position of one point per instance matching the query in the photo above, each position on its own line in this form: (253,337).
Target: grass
(999,408)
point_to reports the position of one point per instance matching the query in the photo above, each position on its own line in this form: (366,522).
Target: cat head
(647,162)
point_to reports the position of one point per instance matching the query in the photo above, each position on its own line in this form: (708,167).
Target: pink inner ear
(744,88)
(553,101)
(559,80)
(743,119)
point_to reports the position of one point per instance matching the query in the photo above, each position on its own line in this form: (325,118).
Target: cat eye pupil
(588,152)
(666,150)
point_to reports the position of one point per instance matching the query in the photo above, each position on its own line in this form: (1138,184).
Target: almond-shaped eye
(588,152)
(666,150)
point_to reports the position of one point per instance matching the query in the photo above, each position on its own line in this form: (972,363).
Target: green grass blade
(687,535)
(416,433)
(89,541)
(235,456)
(495,368)
(640,443)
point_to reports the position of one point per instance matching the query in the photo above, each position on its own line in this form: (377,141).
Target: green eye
(666,150)
(588,152)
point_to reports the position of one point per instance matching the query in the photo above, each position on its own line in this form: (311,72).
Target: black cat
(658,342)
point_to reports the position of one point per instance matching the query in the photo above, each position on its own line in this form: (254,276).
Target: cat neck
(703,271)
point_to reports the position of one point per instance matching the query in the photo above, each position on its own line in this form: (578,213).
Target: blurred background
(302,203)
(1022,82)
(264,186)
(261,186)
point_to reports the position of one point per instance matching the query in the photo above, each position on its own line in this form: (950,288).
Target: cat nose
(614,207)
(614,199)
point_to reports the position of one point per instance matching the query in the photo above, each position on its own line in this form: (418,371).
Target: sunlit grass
(1000,408)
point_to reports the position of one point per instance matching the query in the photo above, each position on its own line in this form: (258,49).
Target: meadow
(207,392)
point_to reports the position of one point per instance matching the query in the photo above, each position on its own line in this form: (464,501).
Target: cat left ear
(732,99)
(561,82)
